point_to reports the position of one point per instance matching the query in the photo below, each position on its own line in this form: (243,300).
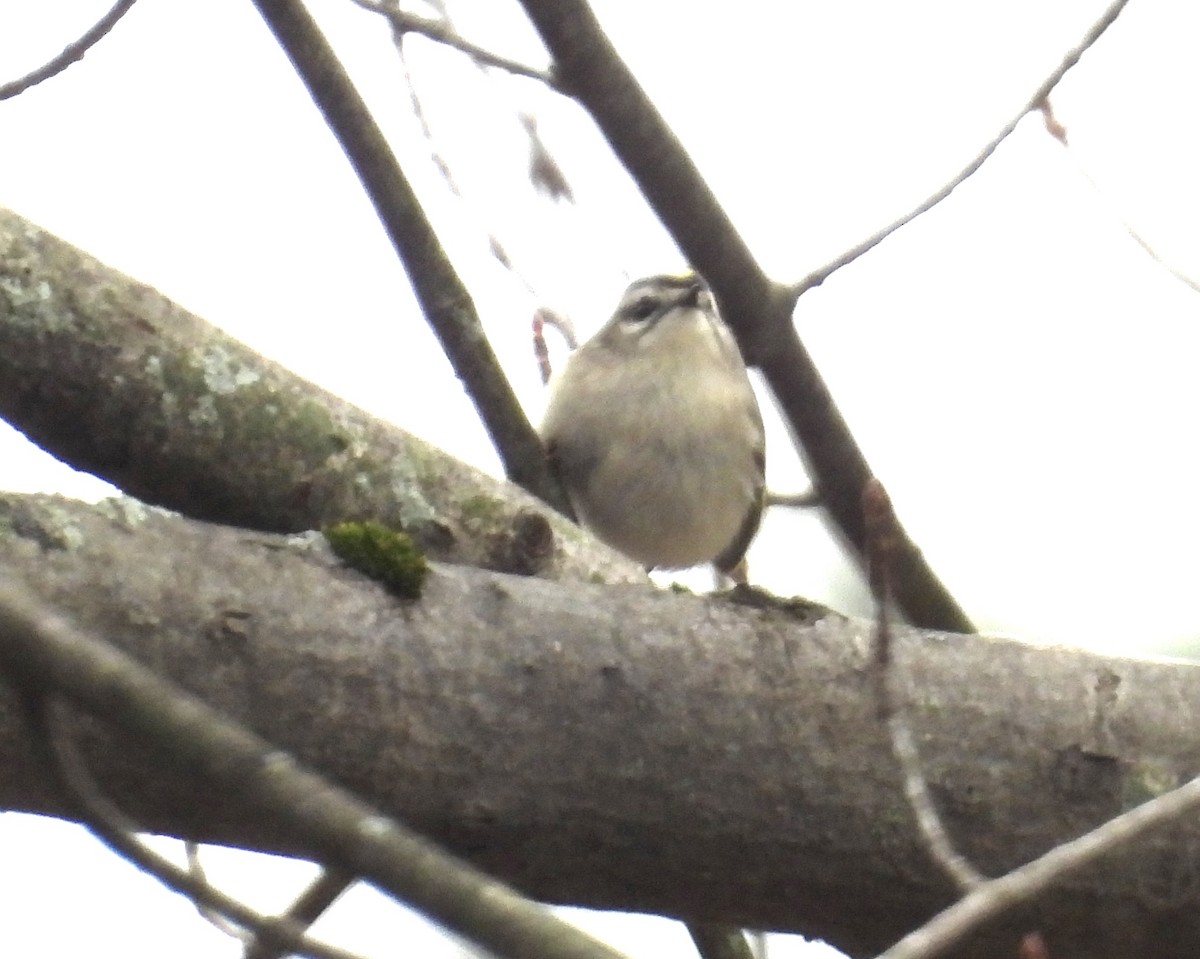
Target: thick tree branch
(621,747)
(758,310)
(444,299)
(115,379)
(41,649)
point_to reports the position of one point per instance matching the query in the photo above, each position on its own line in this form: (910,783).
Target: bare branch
(1094,32)
(442,32)
(445,301)
(72,53)
(758,310)
(48,721)
(42,648)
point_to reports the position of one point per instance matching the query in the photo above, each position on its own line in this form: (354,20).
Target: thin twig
(309,906)
(817,277)
(546,317)
(211,916)
(440,31)
(72,53)
(544,171)
(444,299)
(42,648)
(997,896)
(1059,132)
(438,159)
(882,542)
(117,831)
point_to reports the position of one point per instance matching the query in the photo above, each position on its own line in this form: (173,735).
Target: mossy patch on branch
(386,555)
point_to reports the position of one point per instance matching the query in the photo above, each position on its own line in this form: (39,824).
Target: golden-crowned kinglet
(655,432)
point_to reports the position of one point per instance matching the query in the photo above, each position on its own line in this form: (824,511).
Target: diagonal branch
(445,301)
(1094,32)
(72,53)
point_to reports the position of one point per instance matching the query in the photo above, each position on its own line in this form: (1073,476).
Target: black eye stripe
(646,302)
(643,308)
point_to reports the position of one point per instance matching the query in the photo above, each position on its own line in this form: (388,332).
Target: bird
(653,429)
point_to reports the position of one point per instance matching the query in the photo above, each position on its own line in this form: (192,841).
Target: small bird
(655,432)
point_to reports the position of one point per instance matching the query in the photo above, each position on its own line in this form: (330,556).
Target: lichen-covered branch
(115,379)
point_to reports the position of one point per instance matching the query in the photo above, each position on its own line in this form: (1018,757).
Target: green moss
(384,554)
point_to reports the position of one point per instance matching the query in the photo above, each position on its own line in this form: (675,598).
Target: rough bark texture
(624,747)
(115,379)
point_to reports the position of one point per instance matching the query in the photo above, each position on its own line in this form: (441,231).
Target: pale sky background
(1020,374)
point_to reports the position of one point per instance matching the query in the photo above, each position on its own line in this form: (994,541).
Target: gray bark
(623,747)
(115,379)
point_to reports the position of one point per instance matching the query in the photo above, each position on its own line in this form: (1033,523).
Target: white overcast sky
(1020,374)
